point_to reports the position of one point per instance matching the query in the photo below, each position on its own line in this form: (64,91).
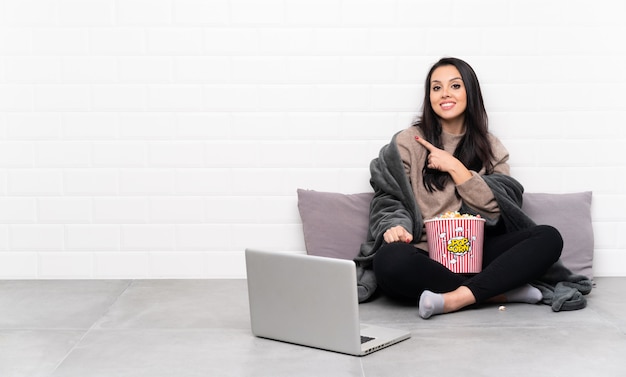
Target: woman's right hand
(397,234)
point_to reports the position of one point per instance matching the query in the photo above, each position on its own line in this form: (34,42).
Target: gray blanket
(394,204)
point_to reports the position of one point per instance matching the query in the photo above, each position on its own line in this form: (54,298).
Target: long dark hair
(474,149)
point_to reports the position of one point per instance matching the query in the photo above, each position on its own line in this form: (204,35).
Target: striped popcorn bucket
(457,243)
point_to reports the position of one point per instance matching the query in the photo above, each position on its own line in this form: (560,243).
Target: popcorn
(456,215)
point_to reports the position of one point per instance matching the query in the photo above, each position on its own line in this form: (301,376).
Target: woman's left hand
(441,160)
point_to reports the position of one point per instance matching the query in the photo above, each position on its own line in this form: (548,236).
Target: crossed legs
(510,262)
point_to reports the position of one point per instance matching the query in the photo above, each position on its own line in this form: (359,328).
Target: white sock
(526,293)
(430,303)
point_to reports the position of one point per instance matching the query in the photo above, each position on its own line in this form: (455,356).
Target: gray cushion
(335,224)
(571,215)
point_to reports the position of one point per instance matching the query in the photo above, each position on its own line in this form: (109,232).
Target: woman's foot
(526,293)
(430,303)
(433,303)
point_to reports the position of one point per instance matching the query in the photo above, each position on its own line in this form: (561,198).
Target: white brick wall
(159,138)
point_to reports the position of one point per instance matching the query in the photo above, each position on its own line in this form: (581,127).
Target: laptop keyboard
(365,339)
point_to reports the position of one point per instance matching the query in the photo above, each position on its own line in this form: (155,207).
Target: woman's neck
(455,127)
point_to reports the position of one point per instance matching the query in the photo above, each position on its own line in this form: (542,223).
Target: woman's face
(448,97)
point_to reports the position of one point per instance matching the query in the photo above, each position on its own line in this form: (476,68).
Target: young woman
(448,161)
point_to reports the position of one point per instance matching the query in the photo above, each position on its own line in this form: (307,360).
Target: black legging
(509,261)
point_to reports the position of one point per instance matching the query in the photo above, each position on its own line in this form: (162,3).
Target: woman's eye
(456,86)
(436,88)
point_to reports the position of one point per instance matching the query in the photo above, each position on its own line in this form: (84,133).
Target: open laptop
(311,301)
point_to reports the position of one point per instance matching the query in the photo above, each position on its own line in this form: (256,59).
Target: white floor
(117,328)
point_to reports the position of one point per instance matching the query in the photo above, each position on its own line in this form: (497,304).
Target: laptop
(311,301)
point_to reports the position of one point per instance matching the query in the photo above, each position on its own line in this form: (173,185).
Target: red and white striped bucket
(457,243)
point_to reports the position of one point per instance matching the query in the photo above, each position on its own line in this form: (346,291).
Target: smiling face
(448,97)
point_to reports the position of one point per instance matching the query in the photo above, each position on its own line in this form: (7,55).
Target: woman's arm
(444,161)
(394,215)
(389,218)
(469,184)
